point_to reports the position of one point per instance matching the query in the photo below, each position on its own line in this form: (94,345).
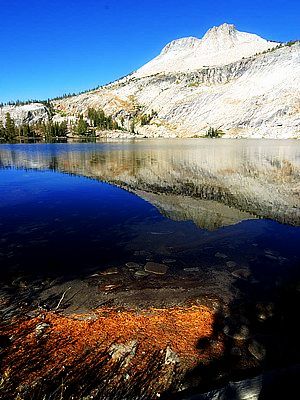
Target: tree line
(98,119)
(9,132)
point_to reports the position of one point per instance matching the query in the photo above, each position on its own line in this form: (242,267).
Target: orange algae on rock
(54,345)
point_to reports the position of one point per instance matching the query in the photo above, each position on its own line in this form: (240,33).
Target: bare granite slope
(232,81)
(28,113)
(258,96)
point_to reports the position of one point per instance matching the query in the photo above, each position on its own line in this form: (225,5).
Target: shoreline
(142,352)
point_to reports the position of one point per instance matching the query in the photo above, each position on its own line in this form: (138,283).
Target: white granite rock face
(254,97)
(220,45)
(27,114)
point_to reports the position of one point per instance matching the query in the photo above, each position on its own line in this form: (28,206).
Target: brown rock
(132,265)
(108,288)
(241,273)
(155,268)
(237,333)
(110,271)
(257,350)
(141,274)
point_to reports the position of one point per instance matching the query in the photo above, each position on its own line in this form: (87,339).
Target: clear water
(68,209)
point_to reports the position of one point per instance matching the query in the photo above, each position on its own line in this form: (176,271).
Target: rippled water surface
(73,208)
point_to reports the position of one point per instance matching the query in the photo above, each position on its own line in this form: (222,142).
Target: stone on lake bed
(191,269)
(161,233)
(110,271)
(271,257)
(155,268)
(143,253)
(236,351)
(265,311)
(241,273)
(257,350)
(220,255)
(108,288)
(231,264)
(237,333)
(132,265)
(272,252)
(141,273)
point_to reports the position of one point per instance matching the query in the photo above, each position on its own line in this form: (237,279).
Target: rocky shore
(144,332)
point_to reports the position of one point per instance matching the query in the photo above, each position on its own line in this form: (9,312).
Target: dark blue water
(58,217)
(56,222)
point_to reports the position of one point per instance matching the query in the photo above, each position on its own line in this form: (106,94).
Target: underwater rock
(155,268)
(241,273)
(257,350)
(110,271)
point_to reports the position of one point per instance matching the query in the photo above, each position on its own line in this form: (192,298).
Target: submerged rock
(144,253)
(155,268)
(169,260)
(109,287)
(265,311)
(221,255)
(241,273)
(133,265)
(231,264)
(236,352)
(237,332)
(257,350)
(110,271)
(141,274)
(271,253)
(161,233)
(191,269)
(271,257)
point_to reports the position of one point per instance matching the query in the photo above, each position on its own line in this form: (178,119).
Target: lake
(70,208)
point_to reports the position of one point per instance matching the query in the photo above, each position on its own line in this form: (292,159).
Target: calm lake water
(73,208)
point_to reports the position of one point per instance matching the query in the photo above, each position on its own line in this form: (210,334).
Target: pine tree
(2,131)
(10,128)
(132,127)
(82,126)
(63,129)
(25,131)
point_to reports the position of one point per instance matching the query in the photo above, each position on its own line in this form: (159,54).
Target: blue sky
(53,47)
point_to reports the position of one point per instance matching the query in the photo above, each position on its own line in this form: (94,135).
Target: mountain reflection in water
(214,183)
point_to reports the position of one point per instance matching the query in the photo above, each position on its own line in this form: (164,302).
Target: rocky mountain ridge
(248,87)
(219,46)
(258,96)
